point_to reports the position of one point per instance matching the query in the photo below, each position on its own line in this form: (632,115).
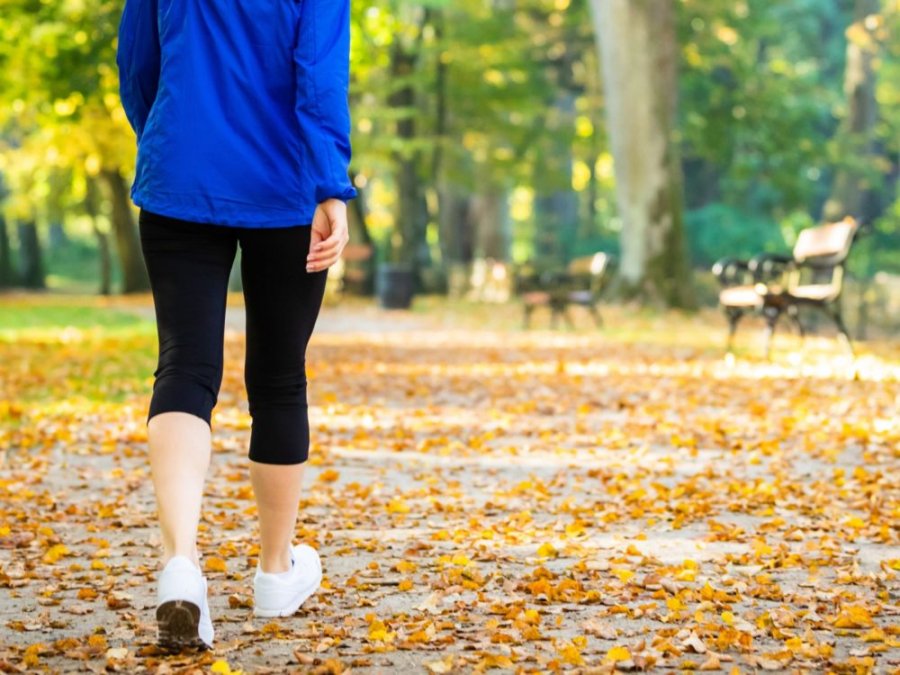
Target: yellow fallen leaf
(54,553)
(215,564)
(854,616)
(623,574)
(397,505)
(546,550)
(618,653)
(31,656)
(221,667)
(571,654)
(461,559)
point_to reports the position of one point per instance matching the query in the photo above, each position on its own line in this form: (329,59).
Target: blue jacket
(240,108)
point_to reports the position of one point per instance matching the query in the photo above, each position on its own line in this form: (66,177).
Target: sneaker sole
(291,608)
(178,622)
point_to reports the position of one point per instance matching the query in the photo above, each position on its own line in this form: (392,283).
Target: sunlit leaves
(481,499)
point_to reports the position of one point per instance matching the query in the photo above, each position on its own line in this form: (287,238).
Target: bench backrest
(825,245)
(589,265)
(822,251)
(592,269)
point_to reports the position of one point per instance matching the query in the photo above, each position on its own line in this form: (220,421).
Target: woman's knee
(284,388)
(279,435)
(189,389)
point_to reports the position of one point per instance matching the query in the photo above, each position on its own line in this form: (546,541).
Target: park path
(484,498)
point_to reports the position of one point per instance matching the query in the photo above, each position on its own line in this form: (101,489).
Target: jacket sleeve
(322,59)
(138,59)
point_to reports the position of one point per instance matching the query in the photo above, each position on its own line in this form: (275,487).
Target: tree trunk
(456,228)
(639,57)
(92,207)
(57,234)
(59,183)
(7,273)
(411,215)
(855,193)
(134,272)
(556,210)
(357,219)
(490,211)
(32,273)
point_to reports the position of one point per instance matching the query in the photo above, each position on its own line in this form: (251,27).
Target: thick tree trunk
(134,272)
(456,227)
(92,207)
(857,185)
(490,211)
(639,61)
(457,237)
(411,213)
(7,272)
(32,263)
(855,192)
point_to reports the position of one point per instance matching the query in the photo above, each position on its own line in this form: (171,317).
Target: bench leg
(772,315)
(838,318)
(554,317)
(794,313)
(734,318)
(526,321)
(595,313)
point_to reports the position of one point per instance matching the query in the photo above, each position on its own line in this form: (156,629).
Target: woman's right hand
(329,236)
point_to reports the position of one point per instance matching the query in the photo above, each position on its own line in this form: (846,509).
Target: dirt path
(483,499)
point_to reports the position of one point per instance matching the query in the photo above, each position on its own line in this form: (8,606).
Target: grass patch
(53,320)
(18,317)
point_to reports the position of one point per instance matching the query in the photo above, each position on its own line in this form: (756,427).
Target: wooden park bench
(581,283)
(777,285)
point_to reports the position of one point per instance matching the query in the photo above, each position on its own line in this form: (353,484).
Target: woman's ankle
(275,564)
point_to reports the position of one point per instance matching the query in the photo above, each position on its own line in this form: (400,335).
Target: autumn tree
(639,56)
(62,112)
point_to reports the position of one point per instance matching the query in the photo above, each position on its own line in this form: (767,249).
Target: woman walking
(242,123)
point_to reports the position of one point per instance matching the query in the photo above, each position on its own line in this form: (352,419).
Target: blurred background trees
(509,130)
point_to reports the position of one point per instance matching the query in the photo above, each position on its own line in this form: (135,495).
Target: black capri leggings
(189,265)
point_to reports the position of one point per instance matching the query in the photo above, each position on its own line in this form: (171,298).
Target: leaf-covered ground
(482,498)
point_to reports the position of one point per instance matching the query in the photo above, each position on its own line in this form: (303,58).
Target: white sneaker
(182,612)
(282,594)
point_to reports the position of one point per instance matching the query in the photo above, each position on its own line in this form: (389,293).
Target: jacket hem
(216,211)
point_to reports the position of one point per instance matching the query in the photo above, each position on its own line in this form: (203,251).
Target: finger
(338,227)
(334,243)
(315,238)
(326,251)
(335,240)
(319,265)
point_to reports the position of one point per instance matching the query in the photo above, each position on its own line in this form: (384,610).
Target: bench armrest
(768,267)
(731,271)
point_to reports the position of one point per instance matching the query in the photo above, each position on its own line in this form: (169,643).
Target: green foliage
(759,101)
(718,230)
(506,95)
